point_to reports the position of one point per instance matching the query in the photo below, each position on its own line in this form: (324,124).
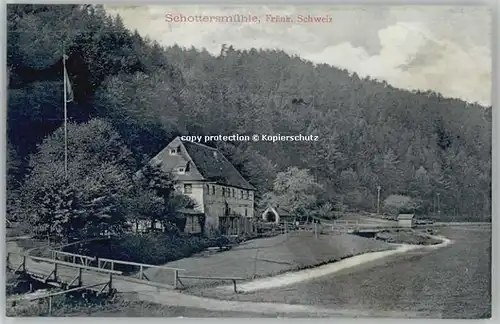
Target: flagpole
(65,118)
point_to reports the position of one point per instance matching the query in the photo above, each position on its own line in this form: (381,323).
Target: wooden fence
(53,275)
(232,279)
(72,257)
(103,263)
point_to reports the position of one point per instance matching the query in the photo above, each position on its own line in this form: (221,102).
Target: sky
(444,49)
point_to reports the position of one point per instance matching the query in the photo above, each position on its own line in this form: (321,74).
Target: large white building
(203,173)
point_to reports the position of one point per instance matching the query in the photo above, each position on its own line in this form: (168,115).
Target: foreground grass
(123,306)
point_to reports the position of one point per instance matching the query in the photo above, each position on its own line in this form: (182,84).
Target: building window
(234,193)
(246,194)
(213,190)
(175,150)
(208,190)
(241,194)
(181,170)
(246,212)
(188,188)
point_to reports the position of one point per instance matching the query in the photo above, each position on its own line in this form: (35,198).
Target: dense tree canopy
(295,191)
(87,199)
(416,144)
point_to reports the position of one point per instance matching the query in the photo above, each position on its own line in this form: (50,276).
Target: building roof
(202,163)
(406,216)
(278,210)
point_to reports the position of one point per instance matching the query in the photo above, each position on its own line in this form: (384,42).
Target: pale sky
(445,49)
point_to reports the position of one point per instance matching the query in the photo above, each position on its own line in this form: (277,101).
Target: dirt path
(292,278)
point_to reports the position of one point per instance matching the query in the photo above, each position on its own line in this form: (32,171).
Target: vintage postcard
(249,161)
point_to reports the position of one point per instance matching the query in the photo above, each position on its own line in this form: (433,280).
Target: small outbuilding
(406,220)
(275,215)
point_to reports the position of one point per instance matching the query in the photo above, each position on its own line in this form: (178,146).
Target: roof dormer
(182,169)
(174,150)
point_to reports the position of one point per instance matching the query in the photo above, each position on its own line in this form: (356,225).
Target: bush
(14,229)
(150,248)
(398,204)
(61,305)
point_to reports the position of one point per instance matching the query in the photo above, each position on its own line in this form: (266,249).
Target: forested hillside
(412,143)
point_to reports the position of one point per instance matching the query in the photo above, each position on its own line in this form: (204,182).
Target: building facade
(406,220)
(205,175)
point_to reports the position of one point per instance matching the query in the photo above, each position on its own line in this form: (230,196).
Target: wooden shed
(275,215)
(406,220)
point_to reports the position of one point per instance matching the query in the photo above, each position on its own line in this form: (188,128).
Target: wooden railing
(72,257)
(233,279)
(25,257)
(53,275)
(103,263)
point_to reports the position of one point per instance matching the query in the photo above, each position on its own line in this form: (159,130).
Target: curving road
(451,282)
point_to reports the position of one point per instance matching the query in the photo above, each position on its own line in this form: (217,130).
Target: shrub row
(151,248)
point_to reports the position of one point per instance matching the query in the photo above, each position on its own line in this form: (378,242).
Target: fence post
(110,286)
(176,275)
(234,284)
(140,272)
(55,271)
(24,263)
(79,277)
(50,305)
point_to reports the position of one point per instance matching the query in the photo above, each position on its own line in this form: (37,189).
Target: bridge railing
(111,264)
(72,257)
(53,276)
(25,257)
